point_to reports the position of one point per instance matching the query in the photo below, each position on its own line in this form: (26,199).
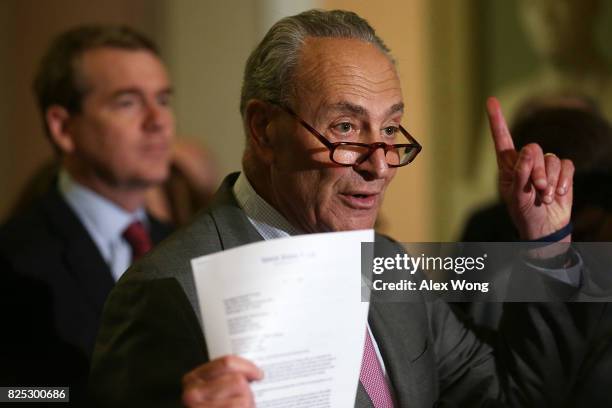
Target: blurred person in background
(189,187)
(104,96)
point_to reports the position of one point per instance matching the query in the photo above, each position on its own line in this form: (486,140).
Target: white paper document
(293,307)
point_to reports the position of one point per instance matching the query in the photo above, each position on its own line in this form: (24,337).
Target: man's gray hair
(271,65)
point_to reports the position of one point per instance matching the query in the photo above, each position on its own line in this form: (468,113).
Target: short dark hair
(57,80)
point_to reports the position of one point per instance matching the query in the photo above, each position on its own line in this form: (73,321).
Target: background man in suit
(322,107)
(104,96)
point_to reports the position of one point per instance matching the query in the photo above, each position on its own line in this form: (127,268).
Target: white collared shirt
(104,220)
(267,221)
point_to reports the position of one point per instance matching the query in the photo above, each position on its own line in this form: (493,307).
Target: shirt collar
(103,219)
(266,219)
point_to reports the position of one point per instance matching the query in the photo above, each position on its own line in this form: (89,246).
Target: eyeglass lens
(351,154)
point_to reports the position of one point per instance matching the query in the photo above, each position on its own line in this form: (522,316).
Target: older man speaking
(322,110)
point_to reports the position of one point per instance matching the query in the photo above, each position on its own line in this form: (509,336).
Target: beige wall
(207,44)
(457,112)
(269,12)
(402,24)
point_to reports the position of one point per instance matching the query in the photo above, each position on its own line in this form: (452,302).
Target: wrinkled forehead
(333,70)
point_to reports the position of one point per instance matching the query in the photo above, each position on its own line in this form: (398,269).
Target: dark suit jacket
(151,334)
(54,284)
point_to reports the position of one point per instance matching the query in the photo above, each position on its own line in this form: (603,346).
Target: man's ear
(58,119)
(261,128)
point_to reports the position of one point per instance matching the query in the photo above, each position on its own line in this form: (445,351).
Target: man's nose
(374,166)
(156,116)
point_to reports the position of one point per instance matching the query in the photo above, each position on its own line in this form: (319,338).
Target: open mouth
(360,201)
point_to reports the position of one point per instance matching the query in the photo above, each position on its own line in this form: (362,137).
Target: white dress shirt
(104,220)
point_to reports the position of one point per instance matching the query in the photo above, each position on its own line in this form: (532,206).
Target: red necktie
(372,377)
(137,236)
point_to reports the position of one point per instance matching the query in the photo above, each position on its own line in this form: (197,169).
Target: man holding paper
(322,109)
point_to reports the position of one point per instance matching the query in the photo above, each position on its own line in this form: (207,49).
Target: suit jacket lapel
(362,400)
(233,226)
(83,260)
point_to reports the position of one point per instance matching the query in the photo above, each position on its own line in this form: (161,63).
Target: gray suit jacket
(151,334)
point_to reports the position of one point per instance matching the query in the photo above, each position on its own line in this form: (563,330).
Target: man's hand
(536,187)
(223,382)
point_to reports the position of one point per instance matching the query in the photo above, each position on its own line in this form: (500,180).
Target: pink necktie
(137,236)
(372,377)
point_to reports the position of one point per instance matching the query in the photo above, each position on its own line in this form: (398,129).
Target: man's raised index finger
(499,128)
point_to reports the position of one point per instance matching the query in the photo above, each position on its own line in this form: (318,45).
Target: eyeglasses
(354,153)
